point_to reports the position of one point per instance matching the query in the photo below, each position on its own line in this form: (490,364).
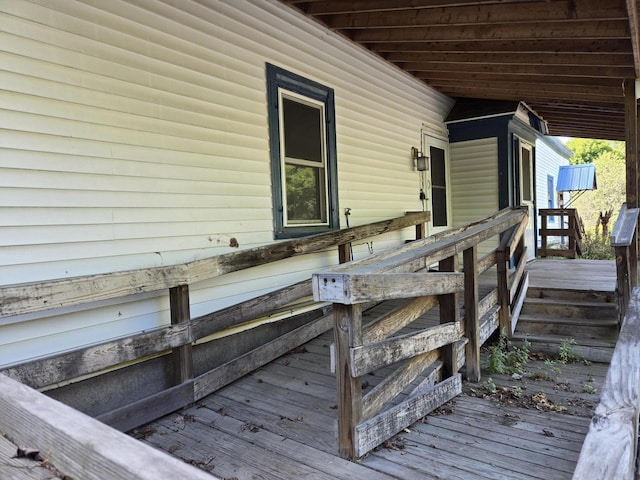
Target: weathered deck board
(20,468)
(597,275)
(281,420)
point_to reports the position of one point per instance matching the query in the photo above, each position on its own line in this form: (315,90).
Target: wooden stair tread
(558,339)
(592,322)
(569,303)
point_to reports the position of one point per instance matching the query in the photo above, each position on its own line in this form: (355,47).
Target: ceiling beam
(534,79)
(330,7)
(613,46)
(539,12)
(505,69)
(526,31)
(632,8)
(564,58)
(496,92)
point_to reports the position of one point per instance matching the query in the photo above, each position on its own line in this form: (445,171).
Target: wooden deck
(585,275)
(279,422)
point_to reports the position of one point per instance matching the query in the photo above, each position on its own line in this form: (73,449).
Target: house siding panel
(548,162)
(474,183)
(134,134)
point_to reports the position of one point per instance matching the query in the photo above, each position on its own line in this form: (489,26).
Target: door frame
(428,141)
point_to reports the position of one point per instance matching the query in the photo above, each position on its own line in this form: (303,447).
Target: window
(438,187)
(550,196)
(303,154)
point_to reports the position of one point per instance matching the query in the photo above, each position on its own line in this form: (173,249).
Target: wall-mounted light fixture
(420,161)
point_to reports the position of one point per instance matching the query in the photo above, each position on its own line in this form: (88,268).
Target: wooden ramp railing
(610,450)
(623,240)
(571,228)
(181,370)
(434,352)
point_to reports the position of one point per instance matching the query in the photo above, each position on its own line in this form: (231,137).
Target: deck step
(571,294)
(576,328)
(588,349)
(565,308)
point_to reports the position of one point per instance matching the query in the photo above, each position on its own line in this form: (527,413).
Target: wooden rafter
(566,58)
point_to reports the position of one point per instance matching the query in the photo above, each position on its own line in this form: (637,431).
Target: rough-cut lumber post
(632,174)
(504,314)
(572,237)
(344,253)
(347,334)
(622,237)
(610,448)
(471,315)
(79,445)
(449,312)
(543,235)
(181,313)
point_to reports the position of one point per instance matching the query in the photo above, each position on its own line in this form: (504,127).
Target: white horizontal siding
(134,134)
(474,183)
(548,162)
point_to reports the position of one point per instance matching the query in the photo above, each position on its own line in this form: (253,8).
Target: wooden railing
(189,383)
(609,451)
(623,242)
(434,354)
(570,227)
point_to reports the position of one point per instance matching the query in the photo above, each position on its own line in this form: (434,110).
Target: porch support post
(449,312)
(471,316)
(180,314)
(632,178)
(347,334)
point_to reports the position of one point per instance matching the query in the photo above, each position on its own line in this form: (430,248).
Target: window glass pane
(526,174)
(438,176)
(302,130)
(439,206)
(305,194)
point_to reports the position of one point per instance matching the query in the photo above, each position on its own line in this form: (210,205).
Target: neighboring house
(500,157)
(135,137)
(551,155)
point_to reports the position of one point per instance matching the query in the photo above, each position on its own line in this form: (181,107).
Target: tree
(610,174)
(586,150)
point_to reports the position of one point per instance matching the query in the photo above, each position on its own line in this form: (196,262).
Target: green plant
(566,353)
(504,358)
(588,388)
(553,370)
(595,248)
(489,385)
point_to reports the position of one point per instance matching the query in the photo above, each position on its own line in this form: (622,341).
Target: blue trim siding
(280,78)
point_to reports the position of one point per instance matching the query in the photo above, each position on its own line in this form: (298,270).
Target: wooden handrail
(610,449)
(47,295)
(573,232)
(178,338)
(622,239)
(434,352)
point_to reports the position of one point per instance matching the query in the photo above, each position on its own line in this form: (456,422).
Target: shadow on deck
(279,422)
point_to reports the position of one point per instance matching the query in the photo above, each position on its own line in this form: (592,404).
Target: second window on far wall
(303,156)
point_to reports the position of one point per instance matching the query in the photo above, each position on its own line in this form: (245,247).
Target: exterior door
(437,184)
(527,195)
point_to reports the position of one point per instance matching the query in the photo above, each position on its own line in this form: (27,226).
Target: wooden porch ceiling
(567,59)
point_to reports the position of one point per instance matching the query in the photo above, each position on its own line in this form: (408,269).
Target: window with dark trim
(302,141)
(550,196)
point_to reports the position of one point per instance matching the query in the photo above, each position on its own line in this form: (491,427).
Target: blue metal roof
(577,177)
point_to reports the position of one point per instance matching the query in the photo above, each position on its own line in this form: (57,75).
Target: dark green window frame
(291,87)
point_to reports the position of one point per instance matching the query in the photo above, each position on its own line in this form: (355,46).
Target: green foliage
(586,150)
(596,248)
(490,386)
(588,388)
(566,353)
(505,358)
(610,194)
